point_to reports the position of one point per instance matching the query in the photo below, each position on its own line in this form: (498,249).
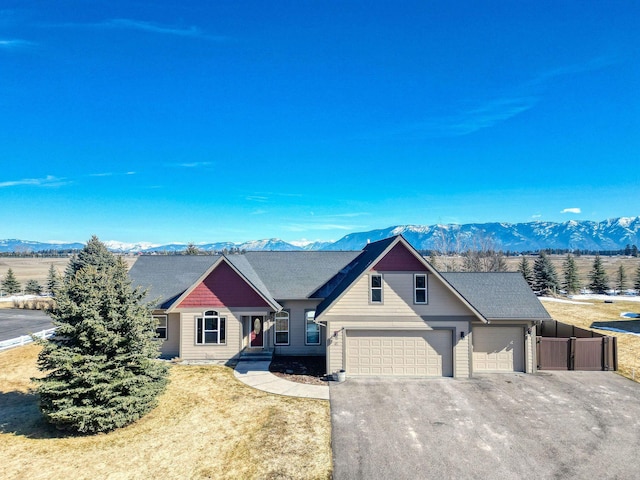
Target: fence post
(605,353)
(572,353)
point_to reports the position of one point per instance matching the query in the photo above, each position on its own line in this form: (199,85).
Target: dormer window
(375,288)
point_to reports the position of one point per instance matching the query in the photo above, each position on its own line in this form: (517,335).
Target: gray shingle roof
(498,295)
(166,277)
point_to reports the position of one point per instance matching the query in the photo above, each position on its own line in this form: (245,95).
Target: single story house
(384,310)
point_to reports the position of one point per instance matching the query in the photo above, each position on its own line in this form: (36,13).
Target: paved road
(16,322)
(550,425)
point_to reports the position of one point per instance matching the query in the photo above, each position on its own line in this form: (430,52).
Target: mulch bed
(309,370)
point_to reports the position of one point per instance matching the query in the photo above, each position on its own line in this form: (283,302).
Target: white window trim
(159,326)
(206,315)
(371,288)
(310,314)
(276,331)
(425,289)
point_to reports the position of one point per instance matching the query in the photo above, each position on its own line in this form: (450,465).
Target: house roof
(327,275)
(498,295)
(166,277)
(275,275)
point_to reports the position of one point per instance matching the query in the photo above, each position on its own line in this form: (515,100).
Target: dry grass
(584,315)
(208,425)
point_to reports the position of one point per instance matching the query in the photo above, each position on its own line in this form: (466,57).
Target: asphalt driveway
(16,322)
(549,425)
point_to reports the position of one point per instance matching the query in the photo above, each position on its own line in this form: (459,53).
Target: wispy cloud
(191,164)
(491,111)
(109,174)
(15,44)
(48,181)
(257,198)
(259,211)
(305,227)
(154,27)
(571,210)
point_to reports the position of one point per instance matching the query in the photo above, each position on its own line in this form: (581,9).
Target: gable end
(399,259)
(223,287)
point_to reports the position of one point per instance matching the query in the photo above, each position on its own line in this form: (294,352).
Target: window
(161,326)
(312,330)
(210,329)
(376,288)
(420,288)
(282,328)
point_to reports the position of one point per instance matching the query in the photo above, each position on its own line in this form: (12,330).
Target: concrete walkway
(256,374)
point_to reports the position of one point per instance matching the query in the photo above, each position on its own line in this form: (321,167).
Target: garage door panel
(404,353)
(498,349)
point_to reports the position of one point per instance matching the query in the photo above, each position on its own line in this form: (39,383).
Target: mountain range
(611,234)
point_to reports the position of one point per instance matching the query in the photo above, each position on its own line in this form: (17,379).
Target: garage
(423,353)
(498,349)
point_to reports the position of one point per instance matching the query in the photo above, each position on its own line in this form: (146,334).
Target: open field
(37,267)
(207,425)
(585,313)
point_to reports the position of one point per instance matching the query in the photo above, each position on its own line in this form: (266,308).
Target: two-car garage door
(424,353)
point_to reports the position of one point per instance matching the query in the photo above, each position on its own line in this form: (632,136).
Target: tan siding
(190,351)
(398,298)
(171,346)
(297,345)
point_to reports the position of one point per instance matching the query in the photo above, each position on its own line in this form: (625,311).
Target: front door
(256,337)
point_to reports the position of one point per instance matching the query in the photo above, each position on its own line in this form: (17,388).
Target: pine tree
(10,284)
(545,276)
(598,277)
(621,278)
(32,287)
(525,269)
(571,282)
(53,280)
(102,368)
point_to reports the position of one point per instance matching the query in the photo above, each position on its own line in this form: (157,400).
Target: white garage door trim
(407,353)
(498,349)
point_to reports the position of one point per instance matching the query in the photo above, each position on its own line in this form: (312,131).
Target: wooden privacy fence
(565,347)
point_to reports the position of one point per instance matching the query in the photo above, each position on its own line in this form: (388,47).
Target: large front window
(282,328)
(210,329)
(312,329)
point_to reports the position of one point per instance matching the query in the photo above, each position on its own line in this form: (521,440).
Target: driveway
(548,425)
(16,322)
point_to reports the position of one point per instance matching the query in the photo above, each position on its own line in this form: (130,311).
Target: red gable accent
(223,288)
(399,259)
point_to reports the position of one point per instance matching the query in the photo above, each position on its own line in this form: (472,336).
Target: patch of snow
(630,315)
(563,300)
(617,330)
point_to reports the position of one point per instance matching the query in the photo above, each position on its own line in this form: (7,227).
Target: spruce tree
(10,284)
(53,280)
(621,278)
(525,269)
(32,287)
(101,364)
(545,276)
(571,282)
(598,277)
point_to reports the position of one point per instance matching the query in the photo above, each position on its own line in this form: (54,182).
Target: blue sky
(198,121)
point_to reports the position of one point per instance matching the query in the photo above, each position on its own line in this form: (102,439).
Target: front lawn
(207,425)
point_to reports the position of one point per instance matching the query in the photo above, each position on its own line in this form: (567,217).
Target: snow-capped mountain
(612,234)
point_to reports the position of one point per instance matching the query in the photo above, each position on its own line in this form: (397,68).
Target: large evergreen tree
(570,271)
(10,284)
(525,269)
(544,273)
(102,368)
(598,277)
